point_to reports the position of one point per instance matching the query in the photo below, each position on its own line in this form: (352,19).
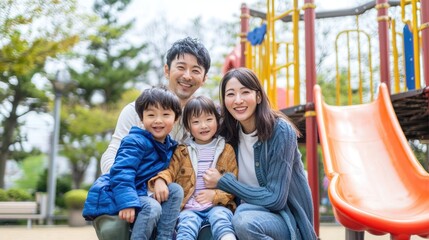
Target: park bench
(30,210)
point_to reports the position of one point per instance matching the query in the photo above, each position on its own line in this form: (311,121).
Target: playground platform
(327,232)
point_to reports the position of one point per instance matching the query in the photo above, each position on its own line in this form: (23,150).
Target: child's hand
(205,196)
(127,214)
(160,190)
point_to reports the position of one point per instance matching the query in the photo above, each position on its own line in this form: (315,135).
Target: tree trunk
(3,158)
(9,126)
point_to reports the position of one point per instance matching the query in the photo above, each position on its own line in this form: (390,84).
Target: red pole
(424,10)
(310,122)
(383,40)
(245,14)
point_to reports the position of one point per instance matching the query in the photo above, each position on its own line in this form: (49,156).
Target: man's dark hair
(158,97)
(191,46)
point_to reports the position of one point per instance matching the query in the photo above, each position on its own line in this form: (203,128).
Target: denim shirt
(283,185)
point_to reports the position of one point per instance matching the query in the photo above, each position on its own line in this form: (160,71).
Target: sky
(181,11)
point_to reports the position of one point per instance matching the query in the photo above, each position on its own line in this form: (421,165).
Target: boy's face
(185,76)
(203,128)
(158,121)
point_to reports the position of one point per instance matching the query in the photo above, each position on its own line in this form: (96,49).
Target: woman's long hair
(264,114)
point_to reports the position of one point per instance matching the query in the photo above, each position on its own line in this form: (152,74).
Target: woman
(272,186)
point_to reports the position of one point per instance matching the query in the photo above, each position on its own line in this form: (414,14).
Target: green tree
(111,67)
(420,151)
(82,141)
(159,39)
(112,64)
(31,167)
(26,43)
(329,90)
(63,185)
(85,133)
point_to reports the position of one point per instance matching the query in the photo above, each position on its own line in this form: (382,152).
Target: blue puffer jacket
(139,158)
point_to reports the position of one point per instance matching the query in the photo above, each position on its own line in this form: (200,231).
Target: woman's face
(241,103)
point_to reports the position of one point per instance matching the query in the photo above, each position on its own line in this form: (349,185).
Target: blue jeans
(256,222)
(190,222)
(160,216)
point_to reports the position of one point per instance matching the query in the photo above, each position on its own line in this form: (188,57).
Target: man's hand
(205,196)
(160,190)
(211,177)
(127,214)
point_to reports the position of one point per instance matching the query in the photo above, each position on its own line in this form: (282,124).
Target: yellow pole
(349,76)
(266,63)
(273,75)
(338,77)
(359,62)
(416,44)
(397,87)
(295,19)
(249,55)
(287,76)
(371,82)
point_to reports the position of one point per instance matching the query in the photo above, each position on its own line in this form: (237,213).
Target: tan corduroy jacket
(183,169)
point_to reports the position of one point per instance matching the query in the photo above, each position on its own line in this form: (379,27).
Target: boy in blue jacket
(141,155)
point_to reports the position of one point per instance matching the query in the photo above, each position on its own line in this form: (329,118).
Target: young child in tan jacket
(205,150)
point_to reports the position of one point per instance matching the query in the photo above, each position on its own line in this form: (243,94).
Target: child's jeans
(161,217)
(189,222)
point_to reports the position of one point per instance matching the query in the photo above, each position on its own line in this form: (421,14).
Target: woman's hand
(211,177)
(127,214)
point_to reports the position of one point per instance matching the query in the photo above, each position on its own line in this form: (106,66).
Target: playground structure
(376,183)
(277,62)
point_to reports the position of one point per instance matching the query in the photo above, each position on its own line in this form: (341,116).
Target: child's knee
(175,190)
(153,210)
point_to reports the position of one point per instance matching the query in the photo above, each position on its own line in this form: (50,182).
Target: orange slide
(376,183)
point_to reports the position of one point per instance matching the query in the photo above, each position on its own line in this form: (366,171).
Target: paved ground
(327,232)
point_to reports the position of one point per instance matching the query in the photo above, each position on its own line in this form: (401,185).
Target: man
(186,68)
(188,62)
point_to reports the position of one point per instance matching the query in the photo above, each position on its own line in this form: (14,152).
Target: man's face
(185,76)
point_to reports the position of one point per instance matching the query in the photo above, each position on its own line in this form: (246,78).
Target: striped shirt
(205,154)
